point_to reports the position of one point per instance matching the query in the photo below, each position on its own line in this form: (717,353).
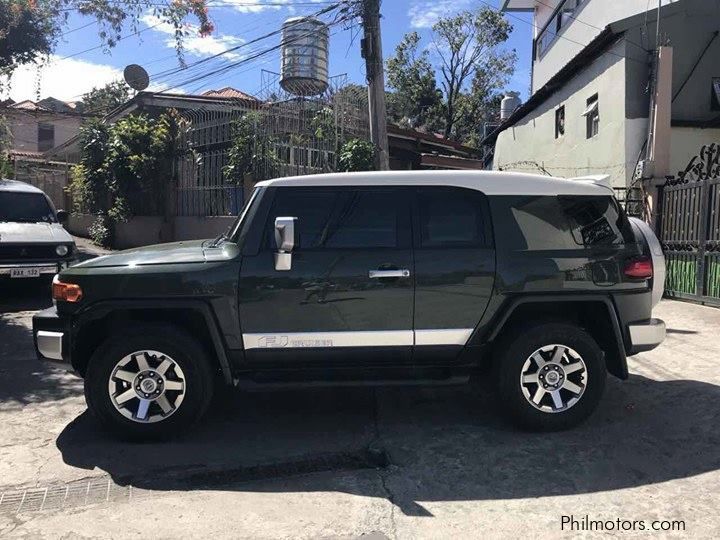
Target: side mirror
(62,216)
(285,242)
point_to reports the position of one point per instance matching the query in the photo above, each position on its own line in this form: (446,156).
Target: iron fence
(690,229)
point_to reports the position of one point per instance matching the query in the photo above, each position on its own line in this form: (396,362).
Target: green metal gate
(690,229)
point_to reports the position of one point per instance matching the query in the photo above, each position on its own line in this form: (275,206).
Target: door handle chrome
(379,274)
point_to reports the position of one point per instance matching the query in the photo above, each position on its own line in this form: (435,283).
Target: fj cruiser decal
(279,342)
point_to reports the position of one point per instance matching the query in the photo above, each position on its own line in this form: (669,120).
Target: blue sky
(74,69)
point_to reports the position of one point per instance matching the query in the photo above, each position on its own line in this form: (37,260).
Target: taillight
(66,292)
(640,268)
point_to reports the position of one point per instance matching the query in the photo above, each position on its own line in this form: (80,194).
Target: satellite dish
(136,77)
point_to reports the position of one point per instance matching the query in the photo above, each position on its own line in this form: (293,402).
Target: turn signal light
(641,268)
(66,292)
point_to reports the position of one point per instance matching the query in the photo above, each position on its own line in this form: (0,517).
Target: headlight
(62,250)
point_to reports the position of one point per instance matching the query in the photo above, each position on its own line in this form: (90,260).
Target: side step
(349,377)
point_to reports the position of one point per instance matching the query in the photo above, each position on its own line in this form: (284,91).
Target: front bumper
(52,338)
(45,267)
(647,335)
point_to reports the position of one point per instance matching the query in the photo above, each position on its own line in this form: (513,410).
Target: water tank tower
(509,104)
(305,43)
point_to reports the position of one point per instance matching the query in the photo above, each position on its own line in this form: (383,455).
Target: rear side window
(338,219)
(596,221)
(568,222)
(451,217)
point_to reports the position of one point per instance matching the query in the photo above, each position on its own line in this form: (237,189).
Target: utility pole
(375,68)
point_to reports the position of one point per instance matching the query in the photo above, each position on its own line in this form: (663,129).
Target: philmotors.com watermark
(573,523)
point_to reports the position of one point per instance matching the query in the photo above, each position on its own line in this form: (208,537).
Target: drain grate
(104,489)
(69,495)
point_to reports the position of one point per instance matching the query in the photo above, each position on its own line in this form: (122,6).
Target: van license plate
(24,272)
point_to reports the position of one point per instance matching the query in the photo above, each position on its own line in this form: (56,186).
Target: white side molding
(392,338)
(443,337)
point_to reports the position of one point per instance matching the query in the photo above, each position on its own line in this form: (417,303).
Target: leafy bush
(128,168)
(100,230)
(356,155)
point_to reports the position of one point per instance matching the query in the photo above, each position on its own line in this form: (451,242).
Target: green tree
(472,65)
(5,146)
(416,101)
(30,29)
(100,101)
(356,155)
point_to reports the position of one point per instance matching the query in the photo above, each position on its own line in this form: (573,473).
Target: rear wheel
(551,377)
(148,383)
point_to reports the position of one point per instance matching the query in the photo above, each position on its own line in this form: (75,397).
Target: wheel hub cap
(146,386)
(553,378)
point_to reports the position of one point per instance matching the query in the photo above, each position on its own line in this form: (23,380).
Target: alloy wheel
(146,386)
(554,378)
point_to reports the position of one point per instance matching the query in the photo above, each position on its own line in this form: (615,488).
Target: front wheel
(148,383)
(551,377)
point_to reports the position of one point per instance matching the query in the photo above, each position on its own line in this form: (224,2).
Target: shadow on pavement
(23,378)
(443,443)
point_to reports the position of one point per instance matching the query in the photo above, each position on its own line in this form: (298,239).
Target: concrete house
(593,86)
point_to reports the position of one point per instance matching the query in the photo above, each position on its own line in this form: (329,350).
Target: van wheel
(149,382)
(551,377)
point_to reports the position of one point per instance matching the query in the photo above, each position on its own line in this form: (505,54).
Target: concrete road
(311,464)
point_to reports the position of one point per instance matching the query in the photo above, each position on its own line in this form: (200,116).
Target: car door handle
(380,274)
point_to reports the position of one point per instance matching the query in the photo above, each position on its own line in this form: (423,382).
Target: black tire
(515,350)
(187,354)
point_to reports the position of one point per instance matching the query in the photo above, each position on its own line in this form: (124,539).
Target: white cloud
(65,79)
(193,42)
(252,6)
(424,14)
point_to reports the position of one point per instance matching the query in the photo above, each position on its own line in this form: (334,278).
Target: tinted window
(338,219)
(543,224)
(451,218)
(569,222)
(368,219)
(596,221)
(28,207)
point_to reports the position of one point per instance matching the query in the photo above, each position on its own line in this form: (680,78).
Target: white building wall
(532,139)
(686,144)
(590,19)
(24,128)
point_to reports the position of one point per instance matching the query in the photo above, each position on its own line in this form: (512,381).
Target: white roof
(489,182)
(17,186)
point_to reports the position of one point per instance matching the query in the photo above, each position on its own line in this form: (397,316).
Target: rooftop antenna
(136,77)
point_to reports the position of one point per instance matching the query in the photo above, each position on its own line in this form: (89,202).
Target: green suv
(541,284)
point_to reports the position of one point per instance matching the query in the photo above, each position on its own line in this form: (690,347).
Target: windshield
(25,207)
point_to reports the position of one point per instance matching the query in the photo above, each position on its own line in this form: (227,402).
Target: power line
(119,39)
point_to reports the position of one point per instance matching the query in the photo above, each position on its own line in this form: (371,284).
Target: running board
(250,385)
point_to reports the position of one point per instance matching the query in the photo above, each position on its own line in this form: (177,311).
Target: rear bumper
(52,338)
(645,336)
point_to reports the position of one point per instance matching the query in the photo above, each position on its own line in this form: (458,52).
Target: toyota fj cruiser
(541,283)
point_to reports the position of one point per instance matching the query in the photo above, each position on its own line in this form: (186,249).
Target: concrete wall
(145,230)
(590,19)
(532,139)
(194,228)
